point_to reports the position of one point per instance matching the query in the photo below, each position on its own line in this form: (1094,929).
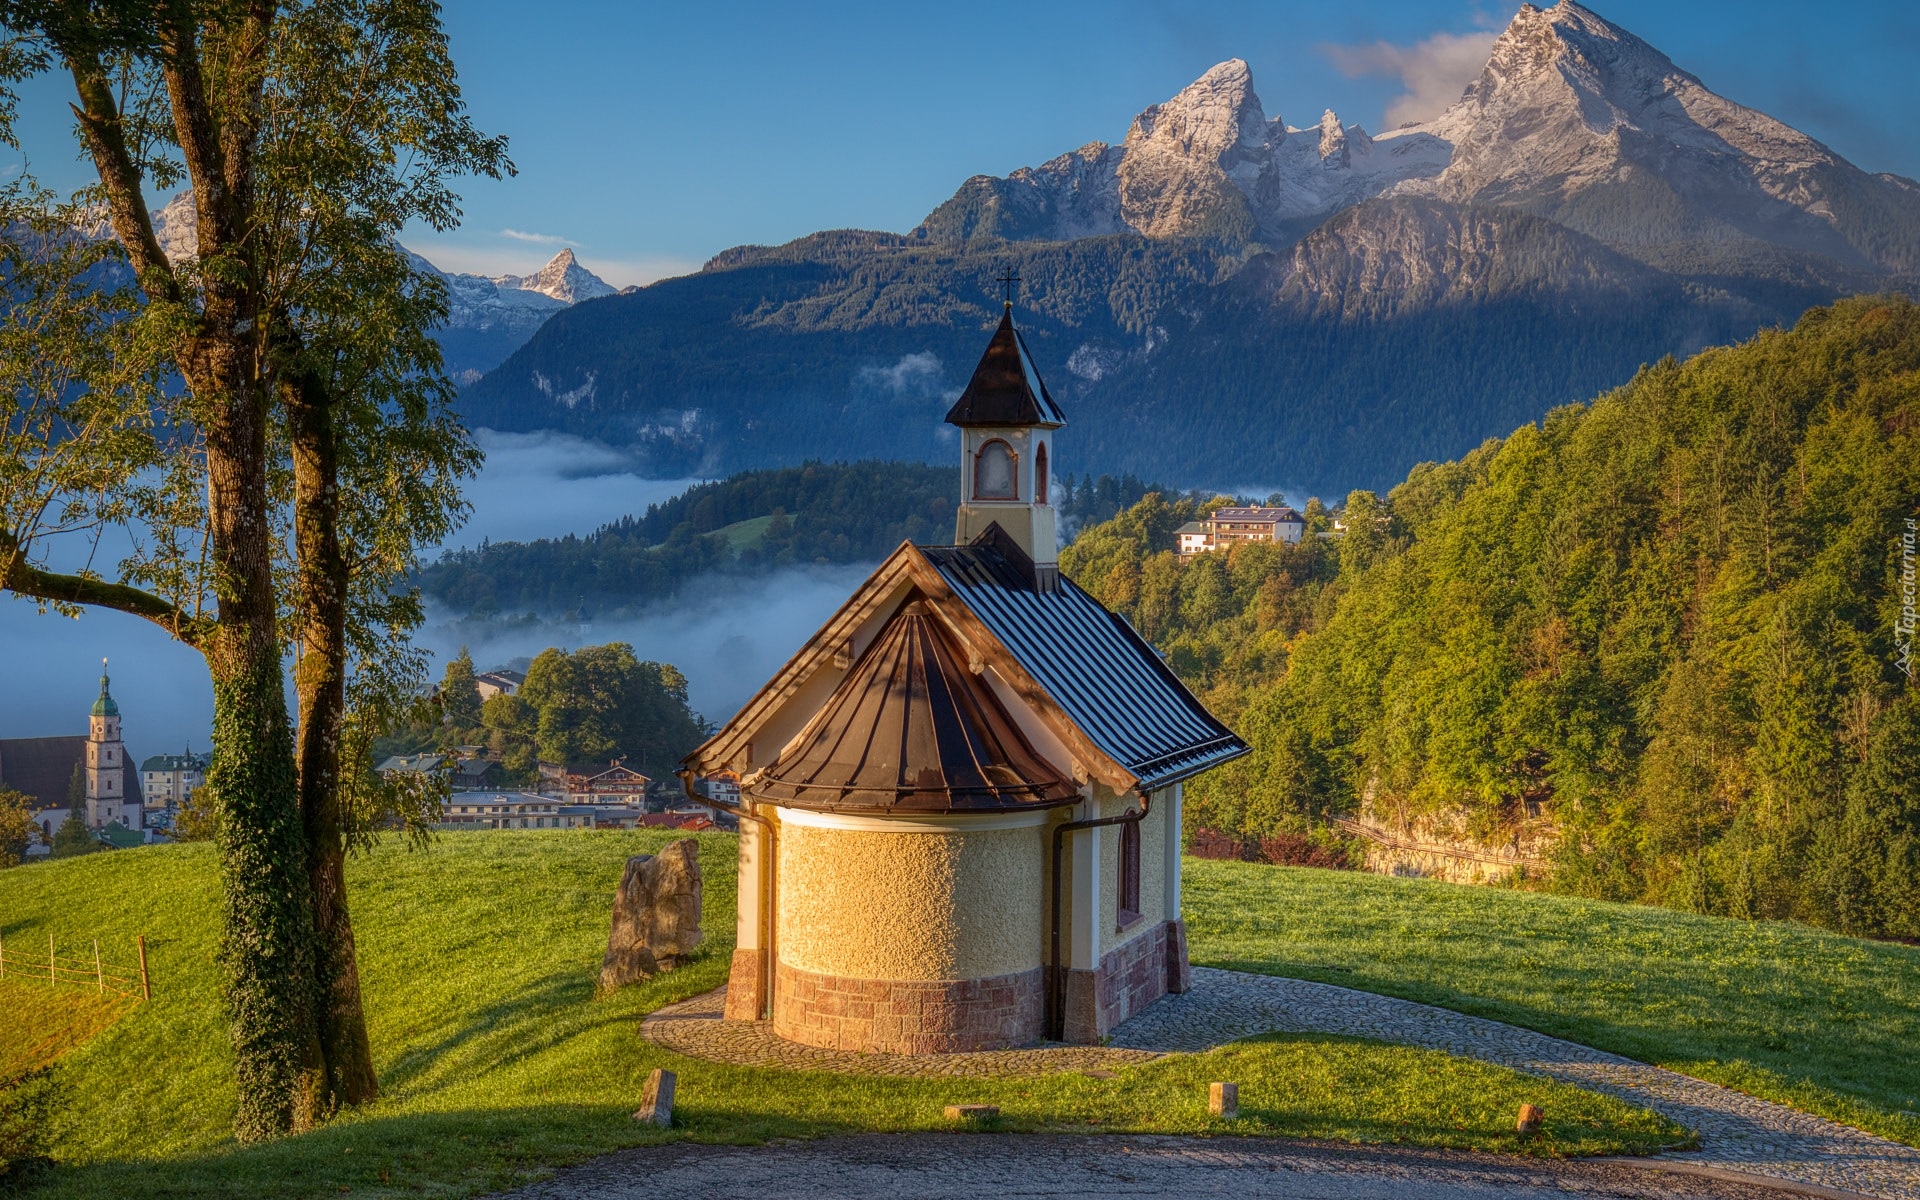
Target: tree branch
(100,123)
(21,577)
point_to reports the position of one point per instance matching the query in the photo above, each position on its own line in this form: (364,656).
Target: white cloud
(1434,70)
(542,239)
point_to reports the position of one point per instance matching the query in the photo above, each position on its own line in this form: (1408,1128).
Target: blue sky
(649,136)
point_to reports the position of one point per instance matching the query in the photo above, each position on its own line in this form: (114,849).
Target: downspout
(764,967)
(1057,994)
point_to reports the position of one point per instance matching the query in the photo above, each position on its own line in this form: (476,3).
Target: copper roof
(912,730)
(1006,389)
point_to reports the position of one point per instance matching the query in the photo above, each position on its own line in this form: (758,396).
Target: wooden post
(656,1103)
(99,974)
(51,977)
(1223,1100)
(146,989)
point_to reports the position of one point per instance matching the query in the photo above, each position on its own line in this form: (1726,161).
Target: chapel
(960,800)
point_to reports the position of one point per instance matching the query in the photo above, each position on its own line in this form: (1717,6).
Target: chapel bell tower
(1006,420)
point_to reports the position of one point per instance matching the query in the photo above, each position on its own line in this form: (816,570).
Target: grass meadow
(1827,1024)
(498,1062)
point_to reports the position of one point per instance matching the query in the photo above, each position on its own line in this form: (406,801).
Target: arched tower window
(993,477)
(1040,474)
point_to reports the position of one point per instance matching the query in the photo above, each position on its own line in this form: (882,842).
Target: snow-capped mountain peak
(563,278)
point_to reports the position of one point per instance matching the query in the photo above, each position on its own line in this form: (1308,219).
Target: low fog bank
(726,635)
(547,485)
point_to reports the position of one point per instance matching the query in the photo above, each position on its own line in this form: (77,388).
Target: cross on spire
(1007,280)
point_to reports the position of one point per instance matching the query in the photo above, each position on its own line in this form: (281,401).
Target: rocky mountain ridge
(1572,118)
(1226,299)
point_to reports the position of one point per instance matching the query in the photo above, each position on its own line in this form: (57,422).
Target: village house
(1230,526)
(498,683)
(169,781)
(960,800)
(594,783)
(529,810)
(413,764)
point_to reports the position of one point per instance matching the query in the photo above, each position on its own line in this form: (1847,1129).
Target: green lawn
(1828,1024)
(479,959)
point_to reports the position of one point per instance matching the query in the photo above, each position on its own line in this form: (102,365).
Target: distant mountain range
(490,317)
(1225,298)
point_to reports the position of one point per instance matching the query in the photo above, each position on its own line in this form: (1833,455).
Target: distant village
(91,778)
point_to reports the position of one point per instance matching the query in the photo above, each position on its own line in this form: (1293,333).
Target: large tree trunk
(320,681)
(267,948)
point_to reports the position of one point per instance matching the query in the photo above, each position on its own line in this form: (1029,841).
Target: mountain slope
(1227,299)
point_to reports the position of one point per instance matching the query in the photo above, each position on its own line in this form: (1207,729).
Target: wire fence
(94,971)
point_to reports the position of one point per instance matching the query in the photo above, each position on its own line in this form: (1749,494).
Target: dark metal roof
(1105,676)
(1006,388)
(911,729)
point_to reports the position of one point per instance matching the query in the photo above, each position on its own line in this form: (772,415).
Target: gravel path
(1737,1131)
(968,1166)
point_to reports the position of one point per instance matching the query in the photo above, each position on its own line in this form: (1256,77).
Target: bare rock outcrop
(656,915)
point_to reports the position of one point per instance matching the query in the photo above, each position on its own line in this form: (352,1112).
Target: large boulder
(656,915)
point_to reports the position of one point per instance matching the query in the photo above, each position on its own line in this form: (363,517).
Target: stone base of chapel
(1130,977)
(746,994)
(895,1016)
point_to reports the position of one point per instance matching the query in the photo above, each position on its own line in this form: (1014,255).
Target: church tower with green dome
(106,761)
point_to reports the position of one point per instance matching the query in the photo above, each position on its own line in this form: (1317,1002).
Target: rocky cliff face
(1225,298)
(1573,119)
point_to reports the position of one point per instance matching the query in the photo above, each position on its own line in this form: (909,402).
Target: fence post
(51,977)
(146,990)
(99,973)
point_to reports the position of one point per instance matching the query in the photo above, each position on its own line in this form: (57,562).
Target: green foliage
(33,1108)
(497,1059)
(1671,615)
(17,829)
(460,692)
(592,705)
(72,838)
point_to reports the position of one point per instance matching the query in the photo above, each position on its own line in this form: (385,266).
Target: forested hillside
(1671,617)
(748,524)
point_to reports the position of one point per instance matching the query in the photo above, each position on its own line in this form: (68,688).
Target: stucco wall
(1152,870)
(924,905)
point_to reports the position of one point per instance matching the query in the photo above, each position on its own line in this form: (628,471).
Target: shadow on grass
(530,1021)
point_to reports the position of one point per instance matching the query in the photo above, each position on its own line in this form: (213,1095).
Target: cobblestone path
(1737,1131)
(694,1028)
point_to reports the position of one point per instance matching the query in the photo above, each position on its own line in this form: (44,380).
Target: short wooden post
(51,977)
(1529,1122)
(1223,1100)
(656,1103)
(146,989)
(99,973)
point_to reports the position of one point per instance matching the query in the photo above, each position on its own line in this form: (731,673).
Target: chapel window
(993,472)
(1040,474)
(1129,873)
